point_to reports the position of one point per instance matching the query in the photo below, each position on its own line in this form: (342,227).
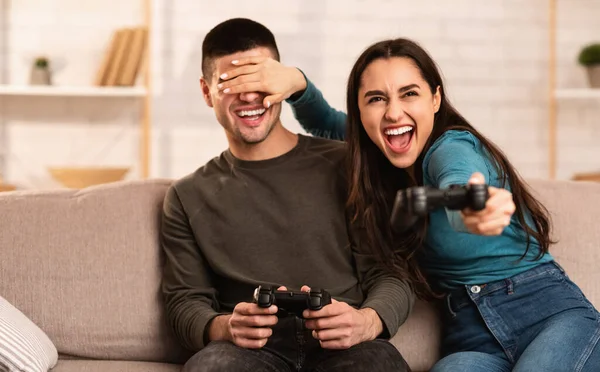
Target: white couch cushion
(24,347)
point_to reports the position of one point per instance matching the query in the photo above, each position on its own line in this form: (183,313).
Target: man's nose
(249,96)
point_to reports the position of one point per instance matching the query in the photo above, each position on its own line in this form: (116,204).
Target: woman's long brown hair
(374,181)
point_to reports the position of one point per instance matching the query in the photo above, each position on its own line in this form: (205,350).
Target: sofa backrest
(85,266)
(575,210)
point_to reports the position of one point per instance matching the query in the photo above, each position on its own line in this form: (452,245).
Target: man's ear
(437,99)
(204,85)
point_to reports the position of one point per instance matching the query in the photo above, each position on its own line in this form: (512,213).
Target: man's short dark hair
(233,36)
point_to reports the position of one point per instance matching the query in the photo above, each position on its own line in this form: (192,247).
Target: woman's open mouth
(399,138)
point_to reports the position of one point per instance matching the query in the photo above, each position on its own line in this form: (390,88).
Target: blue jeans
(538,320)
(290,348)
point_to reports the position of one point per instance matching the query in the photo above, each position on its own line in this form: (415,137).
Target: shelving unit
(71,91)
(555,95)
(583,93)
(143,92)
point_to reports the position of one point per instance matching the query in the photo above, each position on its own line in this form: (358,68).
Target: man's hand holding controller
(249,326)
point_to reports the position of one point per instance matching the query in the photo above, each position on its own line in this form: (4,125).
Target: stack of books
(124,57)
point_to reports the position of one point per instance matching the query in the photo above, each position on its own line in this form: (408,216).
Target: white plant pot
(593,73)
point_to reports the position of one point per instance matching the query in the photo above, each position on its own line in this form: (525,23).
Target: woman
(508,306)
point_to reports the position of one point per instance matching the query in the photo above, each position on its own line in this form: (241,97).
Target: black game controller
(291,302)
(416,202)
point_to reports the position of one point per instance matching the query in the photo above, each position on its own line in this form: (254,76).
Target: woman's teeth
(398,131)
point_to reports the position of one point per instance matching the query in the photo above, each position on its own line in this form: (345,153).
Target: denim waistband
(459,297)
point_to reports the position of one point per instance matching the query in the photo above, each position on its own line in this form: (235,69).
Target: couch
(85,266)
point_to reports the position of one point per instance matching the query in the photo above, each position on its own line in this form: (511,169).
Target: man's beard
(252,139)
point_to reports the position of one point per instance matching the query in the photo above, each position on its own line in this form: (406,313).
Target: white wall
(494,55)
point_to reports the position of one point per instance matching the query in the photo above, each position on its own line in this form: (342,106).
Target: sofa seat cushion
(65,365)
(24,347)
(418,339)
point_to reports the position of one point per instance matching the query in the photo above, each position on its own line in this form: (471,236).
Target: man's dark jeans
(292,348)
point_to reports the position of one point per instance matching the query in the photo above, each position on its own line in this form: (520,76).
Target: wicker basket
(81,177)
(6,187)
(594,177)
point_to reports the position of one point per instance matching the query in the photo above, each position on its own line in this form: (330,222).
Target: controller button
(315,302)
(264,298)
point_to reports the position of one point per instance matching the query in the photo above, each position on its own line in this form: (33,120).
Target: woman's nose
(394,111)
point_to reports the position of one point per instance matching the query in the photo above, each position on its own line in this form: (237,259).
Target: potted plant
(589,57)
(40,72)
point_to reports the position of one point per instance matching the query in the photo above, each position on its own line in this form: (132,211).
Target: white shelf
(71,91)
(582,93)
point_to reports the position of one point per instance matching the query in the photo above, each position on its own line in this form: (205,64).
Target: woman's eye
(375,99)
(411,94)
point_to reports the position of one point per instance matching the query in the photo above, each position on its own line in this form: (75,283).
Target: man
(270,211)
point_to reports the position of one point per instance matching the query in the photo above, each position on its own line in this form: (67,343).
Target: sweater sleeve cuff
(199,334)
(392,313)
(387,316)
(303,97)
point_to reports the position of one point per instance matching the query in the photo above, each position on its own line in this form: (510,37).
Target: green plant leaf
(590,55)
(41,62)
